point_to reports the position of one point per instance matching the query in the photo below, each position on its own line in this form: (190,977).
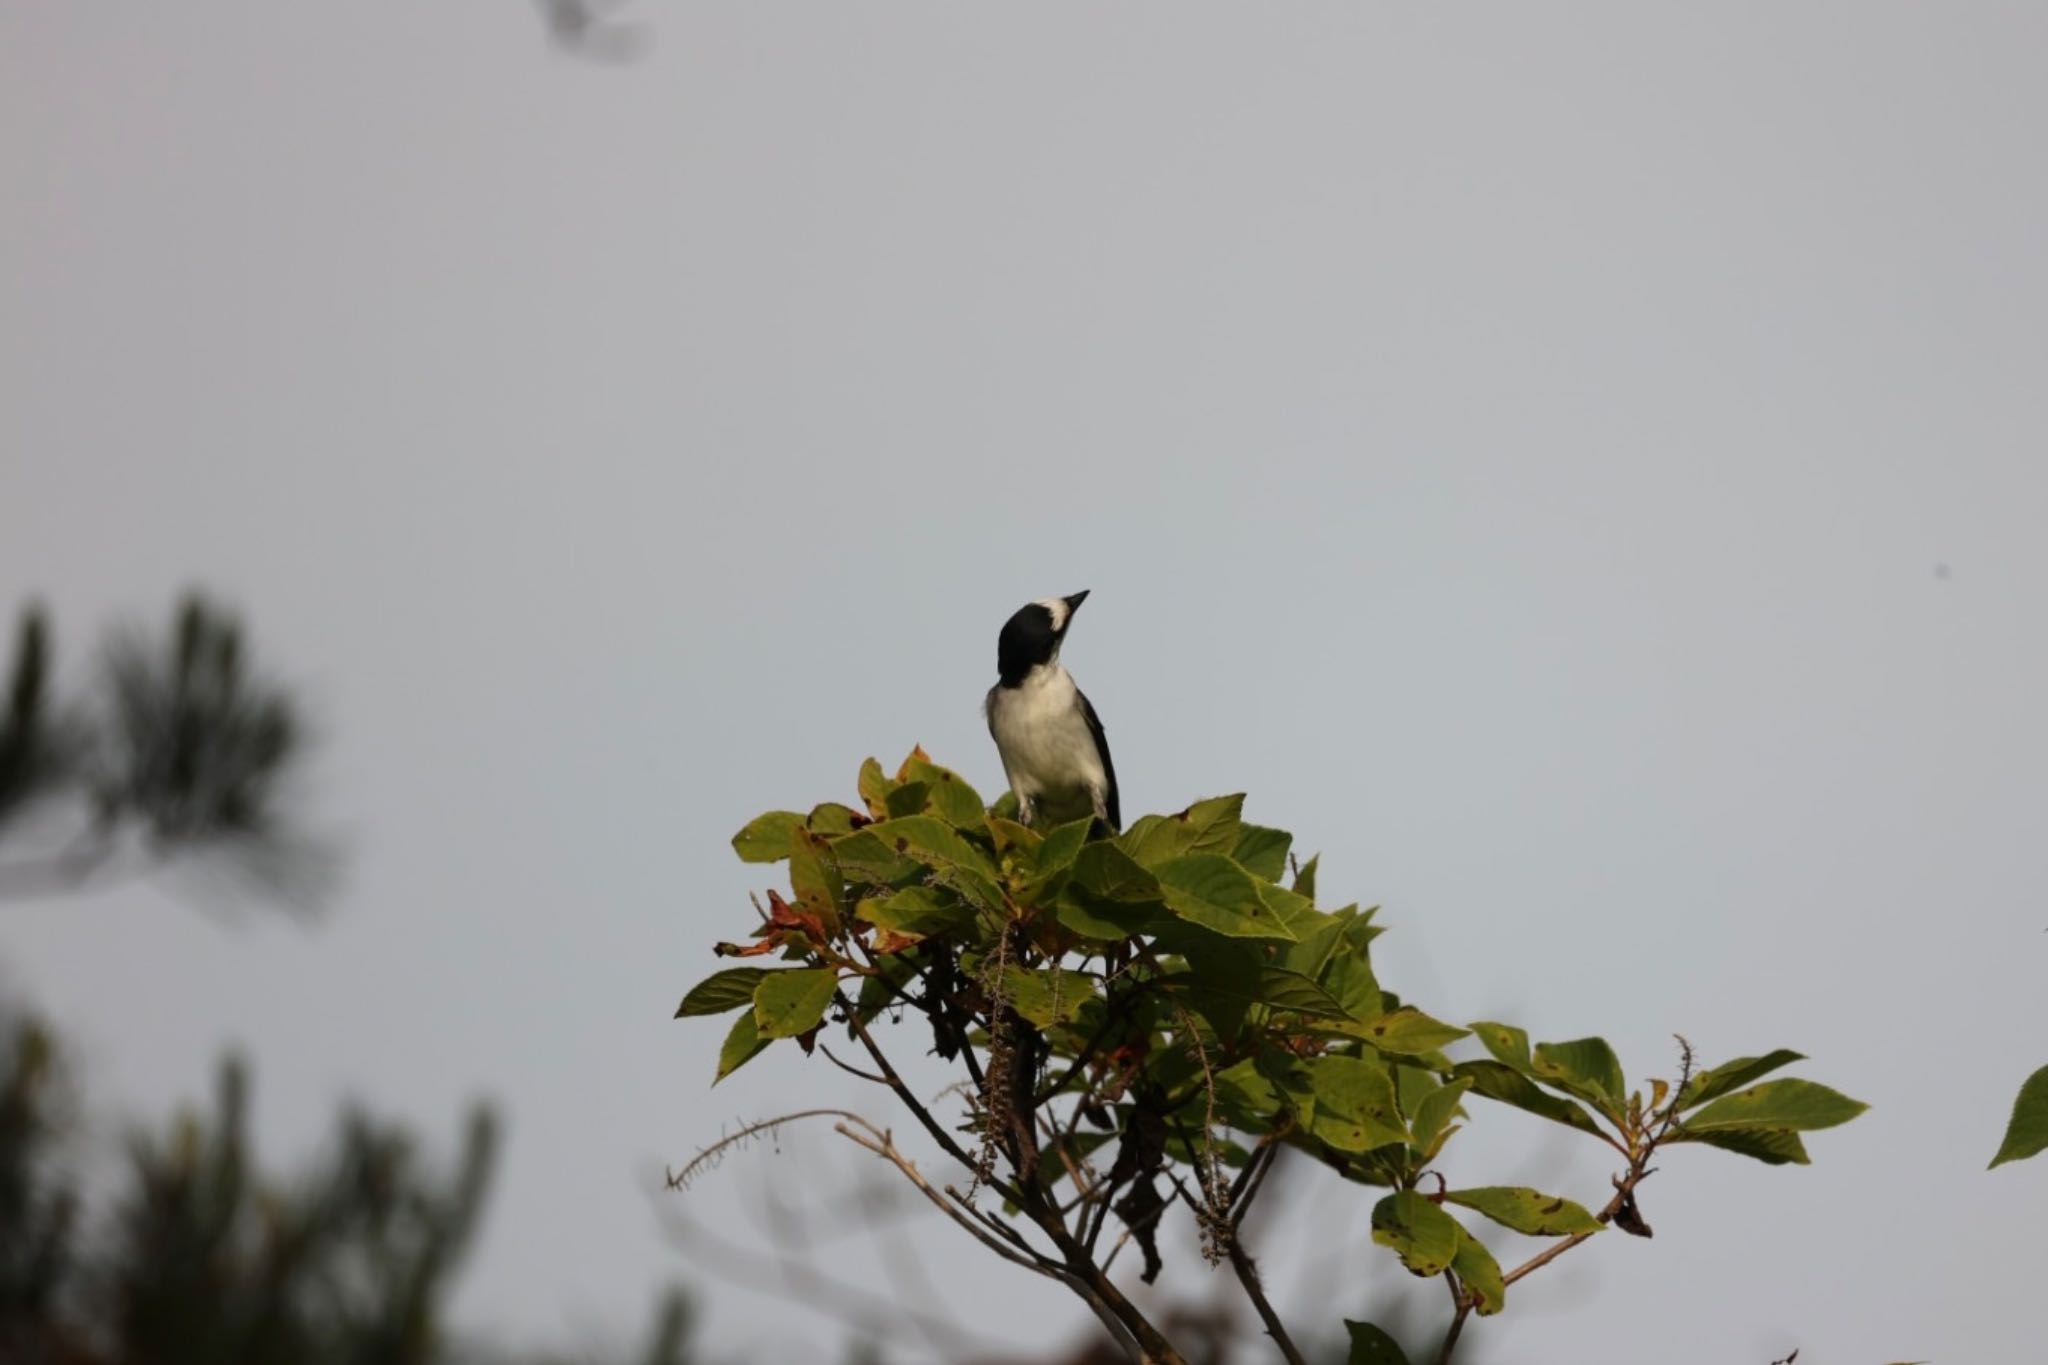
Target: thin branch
(852,1305)
(1248,1276)
(1464,1305)
(878,1141)
(910,1101)
(1639,1169)
(1249,1182)
(850,1069)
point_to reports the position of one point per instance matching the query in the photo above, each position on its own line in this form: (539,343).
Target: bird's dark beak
(1074,602)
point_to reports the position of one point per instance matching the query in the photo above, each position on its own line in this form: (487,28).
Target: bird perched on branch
(1051,741)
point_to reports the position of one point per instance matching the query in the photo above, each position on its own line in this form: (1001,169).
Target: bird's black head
(1032,636)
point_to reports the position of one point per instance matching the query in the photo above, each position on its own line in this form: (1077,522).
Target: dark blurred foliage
(178,748)
(36,755)
(193,1254)
(200,1257)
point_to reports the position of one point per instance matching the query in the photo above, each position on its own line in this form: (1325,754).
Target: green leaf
(1480,1273)
(832,818)
(905,798)
(1098,918)
(1107,896)
(918,912)
(940,847)
(875,786)
(742,1045)
(2026,1133)
(1312,951)
(1063,844)
(1371,1346)
(1355,1106)
(766,837)
(1286,990)
(1423,1235)
(1527,1211)
(792,1002)
(721,991)
(1305,883)
(814,874)
(1585,1067)
(948,795)
(1433,1115)
(863,857)
(1215,823)
(1210,890)
(1499,1081)
(1244,1090)
(1262,851)
(1802,1105)
(1772,1146)
(1508,1044)
(1206,827)
(1016,843)
(1104,870)
(1733,1075)
(1348,974)
(1047,997)
(1407,1031)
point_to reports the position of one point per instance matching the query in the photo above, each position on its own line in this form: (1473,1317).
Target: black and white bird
(1050,739)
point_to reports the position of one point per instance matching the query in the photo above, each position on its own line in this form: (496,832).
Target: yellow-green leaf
(1527,1211)
(1355,1106)
(792,1002)
(1210,890)
(1421,1234)
(1480,1274)
(1795,1104)
(947,794)
(917,912)
(766,837)
(741,1046)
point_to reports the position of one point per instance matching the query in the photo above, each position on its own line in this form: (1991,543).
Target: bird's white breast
(1043,736)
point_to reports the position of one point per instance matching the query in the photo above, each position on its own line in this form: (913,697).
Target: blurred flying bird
(580,26)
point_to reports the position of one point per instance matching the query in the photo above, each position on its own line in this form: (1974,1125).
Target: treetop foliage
(1146,1019)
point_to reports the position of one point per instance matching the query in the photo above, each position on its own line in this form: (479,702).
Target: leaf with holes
(1421,1234)
(1355,1106)
(1529,1212)
(1480,1273)
(1585,1067)
(1406,1031)
(947,794)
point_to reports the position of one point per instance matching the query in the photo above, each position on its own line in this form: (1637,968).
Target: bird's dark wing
(1116,818)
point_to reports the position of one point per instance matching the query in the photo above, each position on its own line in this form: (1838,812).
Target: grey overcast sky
(1517,444)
